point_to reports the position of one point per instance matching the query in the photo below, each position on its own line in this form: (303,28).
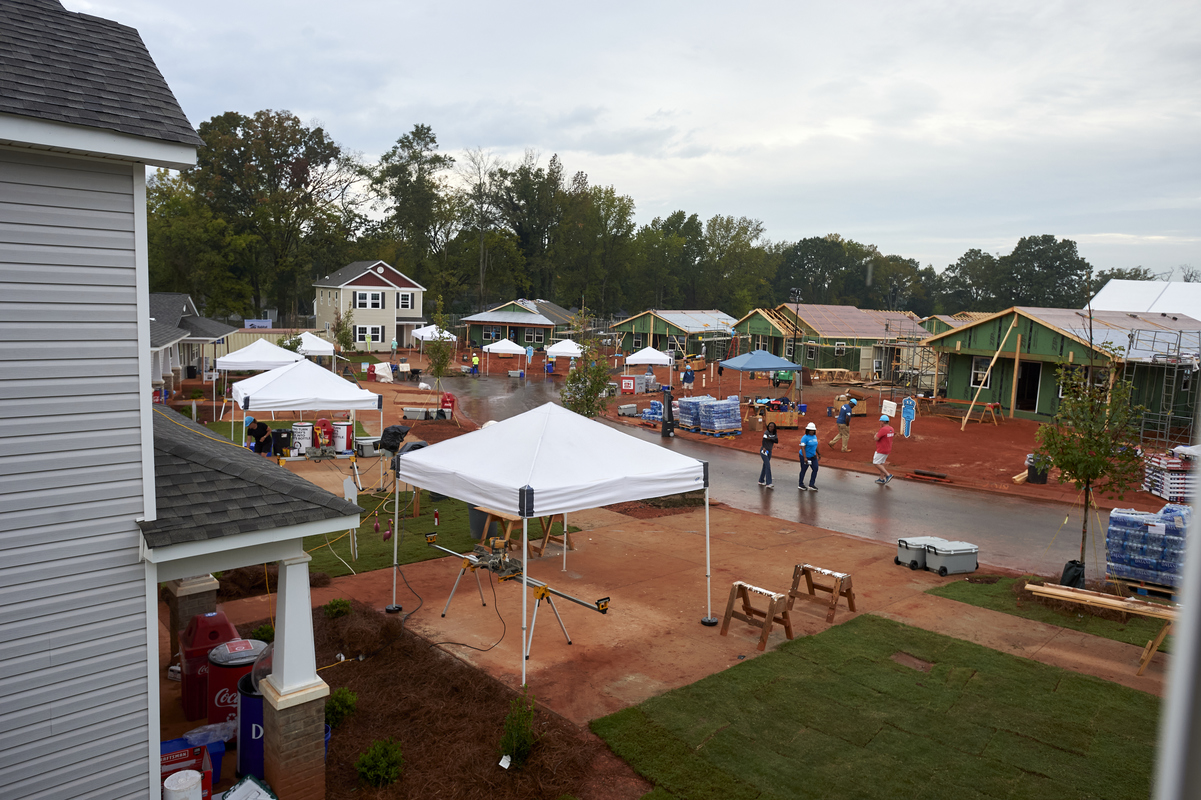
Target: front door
(1029,375)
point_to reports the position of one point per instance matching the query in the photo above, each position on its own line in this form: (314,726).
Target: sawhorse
(543,593)
(840,588)
(548,523)
(474,567)
(776,612)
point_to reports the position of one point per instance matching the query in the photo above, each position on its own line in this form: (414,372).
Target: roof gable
(381,274)
(61,66)
(207,488)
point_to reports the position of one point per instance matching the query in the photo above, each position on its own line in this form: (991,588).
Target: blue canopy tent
(759,361)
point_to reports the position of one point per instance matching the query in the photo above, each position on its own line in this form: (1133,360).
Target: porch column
(186,598)
(293,695)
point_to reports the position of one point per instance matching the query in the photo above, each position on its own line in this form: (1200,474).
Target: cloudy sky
(925,128)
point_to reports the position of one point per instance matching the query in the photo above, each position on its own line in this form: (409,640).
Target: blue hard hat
(249,421)
(854,402)
(884,418)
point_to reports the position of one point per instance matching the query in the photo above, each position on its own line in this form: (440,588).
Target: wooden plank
(988,371)
(1088,597)
(1017,361)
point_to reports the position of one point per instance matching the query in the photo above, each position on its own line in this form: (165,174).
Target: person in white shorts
(884,438)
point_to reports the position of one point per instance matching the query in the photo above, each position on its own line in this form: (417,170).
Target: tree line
(273,204)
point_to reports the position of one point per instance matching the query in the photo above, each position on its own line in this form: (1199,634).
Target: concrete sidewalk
(652,640)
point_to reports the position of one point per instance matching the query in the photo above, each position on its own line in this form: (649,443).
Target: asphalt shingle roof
(75,68)
(208,488)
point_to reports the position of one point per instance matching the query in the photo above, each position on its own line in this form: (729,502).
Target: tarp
(553,461)
(649,355)
(759,361)
(430,332)
(564,349)
(313,345)
(383,372)
(256,356)
(505,346)
(302,386)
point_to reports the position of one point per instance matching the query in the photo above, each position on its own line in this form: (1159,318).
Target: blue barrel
(250,730)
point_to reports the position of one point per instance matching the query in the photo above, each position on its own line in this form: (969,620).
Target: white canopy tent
(313,345)
(303,386)
(504,347)
(553,461)
(257,356)
(653,357)
(432,332)
(564,349)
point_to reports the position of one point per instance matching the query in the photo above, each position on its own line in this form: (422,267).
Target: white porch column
(295,664)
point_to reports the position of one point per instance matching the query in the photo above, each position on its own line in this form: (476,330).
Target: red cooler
(227,663)
(448,403)
(204,632)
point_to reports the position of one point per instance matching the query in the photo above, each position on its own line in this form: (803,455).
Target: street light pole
(795,295)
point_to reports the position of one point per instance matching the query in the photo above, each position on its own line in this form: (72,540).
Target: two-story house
(385,303)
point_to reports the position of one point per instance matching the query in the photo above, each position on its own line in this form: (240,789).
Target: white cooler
(343,437)
(952,558)
(912,551)
(302,436)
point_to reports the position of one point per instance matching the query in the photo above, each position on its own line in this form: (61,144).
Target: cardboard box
(196,758)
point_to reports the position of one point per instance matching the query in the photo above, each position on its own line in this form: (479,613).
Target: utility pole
(794,294)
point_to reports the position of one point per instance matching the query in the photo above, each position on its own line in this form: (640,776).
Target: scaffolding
(1169,361)
(916,368)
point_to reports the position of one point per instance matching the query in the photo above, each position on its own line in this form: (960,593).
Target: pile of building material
(1169,477)
(1146,547)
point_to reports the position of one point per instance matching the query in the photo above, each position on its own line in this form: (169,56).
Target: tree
(408,183)
(1094,437)
(439,351)
(736,268)
(481,204)
(1044,272)
(528,197)
(343,330)
(970,283)
(290,341)
(273,178)
(585,391)
(1120,274)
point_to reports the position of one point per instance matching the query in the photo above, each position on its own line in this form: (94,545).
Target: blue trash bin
(250,730)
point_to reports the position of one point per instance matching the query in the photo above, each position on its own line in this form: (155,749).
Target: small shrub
(197,394)
(519,738)
(381,764)
(338,607)
(264,633)
(340,704)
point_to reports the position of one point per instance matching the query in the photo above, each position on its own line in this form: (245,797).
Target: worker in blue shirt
(809,457)
(844,425)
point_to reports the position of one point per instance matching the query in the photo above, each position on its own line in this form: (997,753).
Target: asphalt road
(1011,532)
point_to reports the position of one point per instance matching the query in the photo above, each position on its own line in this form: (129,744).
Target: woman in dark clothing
(769,441)
(260,434)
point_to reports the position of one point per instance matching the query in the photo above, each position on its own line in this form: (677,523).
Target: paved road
(1011,532)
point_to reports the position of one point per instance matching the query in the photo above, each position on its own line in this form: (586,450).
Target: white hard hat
(812,426)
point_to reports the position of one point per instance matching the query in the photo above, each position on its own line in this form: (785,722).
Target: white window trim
(810,351)
(637,340)
(840,349)
(361,332)
(406,301)
(987,379)
(367,298)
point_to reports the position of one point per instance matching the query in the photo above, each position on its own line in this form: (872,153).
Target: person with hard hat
(260,434)
(475,363)
(809,458)
(844,425)
(884,438)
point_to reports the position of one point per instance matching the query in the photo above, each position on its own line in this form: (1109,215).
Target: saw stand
(468,564)
(541,593)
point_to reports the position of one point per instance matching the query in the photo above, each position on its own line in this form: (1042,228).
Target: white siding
(73,649)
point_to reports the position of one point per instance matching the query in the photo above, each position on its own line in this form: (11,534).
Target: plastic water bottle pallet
(1143,588)
(718,433)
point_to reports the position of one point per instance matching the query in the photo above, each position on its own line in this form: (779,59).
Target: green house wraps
(682,331)
(1157,353)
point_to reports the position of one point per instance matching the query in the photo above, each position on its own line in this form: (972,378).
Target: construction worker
(844,425)
(475,363)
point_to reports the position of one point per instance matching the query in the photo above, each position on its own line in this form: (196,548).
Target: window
(1186,381)
(404,300)
(368,299)
(840,348)
(493,333)
(539,335)
(788,349)
(368,333)
(637,342)
(981,377)
(1100,379)
(810,351)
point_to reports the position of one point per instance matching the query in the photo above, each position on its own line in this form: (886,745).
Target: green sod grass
(832,716)
(454,533)
(999,596)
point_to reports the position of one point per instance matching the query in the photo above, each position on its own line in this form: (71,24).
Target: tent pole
(709,619)
(525,585)
(564,542)
(393,609)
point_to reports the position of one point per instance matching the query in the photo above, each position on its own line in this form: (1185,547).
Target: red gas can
(204,632)
(227,663)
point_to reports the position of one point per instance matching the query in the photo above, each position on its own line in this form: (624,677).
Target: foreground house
(385,303)
(83,112)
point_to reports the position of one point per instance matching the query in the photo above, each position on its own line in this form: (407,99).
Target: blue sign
(908,414)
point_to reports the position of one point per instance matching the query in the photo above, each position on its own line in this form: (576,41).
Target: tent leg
(525,587)
(709,619)
(395,609)
(564,542)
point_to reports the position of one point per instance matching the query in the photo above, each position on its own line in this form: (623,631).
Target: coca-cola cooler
(227,663)
(204,632)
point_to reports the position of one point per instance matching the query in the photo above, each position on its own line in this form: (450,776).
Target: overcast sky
(925,128)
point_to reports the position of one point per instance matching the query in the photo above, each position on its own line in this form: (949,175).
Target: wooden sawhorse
(547,524)
(840,588)
(777,611)
(507,521)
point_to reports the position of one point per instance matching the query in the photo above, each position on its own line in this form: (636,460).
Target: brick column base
(185,599)
(294,741)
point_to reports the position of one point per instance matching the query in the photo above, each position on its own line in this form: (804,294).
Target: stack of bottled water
(1141,546)
(655,412)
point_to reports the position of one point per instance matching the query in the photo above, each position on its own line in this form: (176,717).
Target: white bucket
(302,436)
(343,437)
(187,784)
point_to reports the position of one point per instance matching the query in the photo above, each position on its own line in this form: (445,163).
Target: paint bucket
(302,436)
(187,784)
(343,437)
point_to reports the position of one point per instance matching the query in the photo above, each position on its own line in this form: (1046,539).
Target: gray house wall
(74,700)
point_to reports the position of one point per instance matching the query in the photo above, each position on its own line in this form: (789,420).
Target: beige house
(386,303)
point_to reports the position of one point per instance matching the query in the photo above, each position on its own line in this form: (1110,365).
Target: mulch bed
(642,510)
(253,581)
(448,718)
